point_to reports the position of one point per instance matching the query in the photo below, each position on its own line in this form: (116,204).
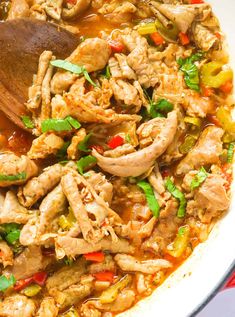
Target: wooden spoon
(21,43)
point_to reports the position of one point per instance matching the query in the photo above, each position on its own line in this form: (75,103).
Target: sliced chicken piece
(118,11)
(73,246)
(53,8)
(28,234)
(131,264)
(181,15)
(72,150)
(20,167)
(52,205)
(35,91)
(101,185)
(40,186)
(125,300)
(210,199)
(206,151)
(18,9)
(6,254)
(119,67)
(72,295)
(204,38)
(47,308)
(126,93)
(156,180)
(45,145)
(120,151)
(12,211)
(29,262)
(67,276)
(93,54)
(70,188)
(139,162)
(16,306)
(72,12)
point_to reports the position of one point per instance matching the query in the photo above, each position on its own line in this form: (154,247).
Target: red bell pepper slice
(197,1)
(116,46)
(105,276)
(157,38)
(94,257)
(21,284)
(184,39)
(115,141)
(40,278)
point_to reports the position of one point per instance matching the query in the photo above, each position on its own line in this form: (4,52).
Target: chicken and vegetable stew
(130,163)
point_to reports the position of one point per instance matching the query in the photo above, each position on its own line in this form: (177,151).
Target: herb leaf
(83,145)
(10,232)
(27,122)
(150,197)
(13,236)
(199,178)
(60,125)
(85,162)
(62,152)
(230,152)
(73,68)
(17,177)
(175,192)
(5,283)
(190,70)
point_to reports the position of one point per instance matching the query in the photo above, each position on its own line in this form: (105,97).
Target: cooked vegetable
(32,290)
(224,116)
(175,192)
(110,294)
(230,152)
(10,232)
(193,120)
(71,313)
(94,257)
(64,223)
(188,144)
(190,70)
(73,68)
(150,197)
(115,141)
(116,46)
(160,108)
(147,28)
(62,152)
(157,38)
(68,261)
(5,282)
(170,33)
(38,278)
(107,72)
(199,178)
(214,74)
(184,39)
(181,242)
(227,87)
(104,276)
(60,125)
(17,177)
(86,162)
(83,145)
(27,122)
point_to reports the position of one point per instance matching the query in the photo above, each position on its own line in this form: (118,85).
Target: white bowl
(194,283)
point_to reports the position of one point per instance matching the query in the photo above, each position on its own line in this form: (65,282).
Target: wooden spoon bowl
(21,43)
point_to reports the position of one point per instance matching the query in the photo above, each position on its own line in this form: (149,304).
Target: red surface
(231,282)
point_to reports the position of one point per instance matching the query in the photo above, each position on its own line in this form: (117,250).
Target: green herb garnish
(175,192)
(10,232)
(60,125)
(83,145)
(85,162)
(62,152)
(190,70)
(73,68)
(230,152)
(150,197)
(199,178)
(162,106)
(5,282)
(17,177)
(27,122)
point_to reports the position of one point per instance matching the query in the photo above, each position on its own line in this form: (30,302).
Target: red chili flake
(115,141)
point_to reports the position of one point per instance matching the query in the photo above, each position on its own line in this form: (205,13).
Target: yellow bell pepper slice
(212,74)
